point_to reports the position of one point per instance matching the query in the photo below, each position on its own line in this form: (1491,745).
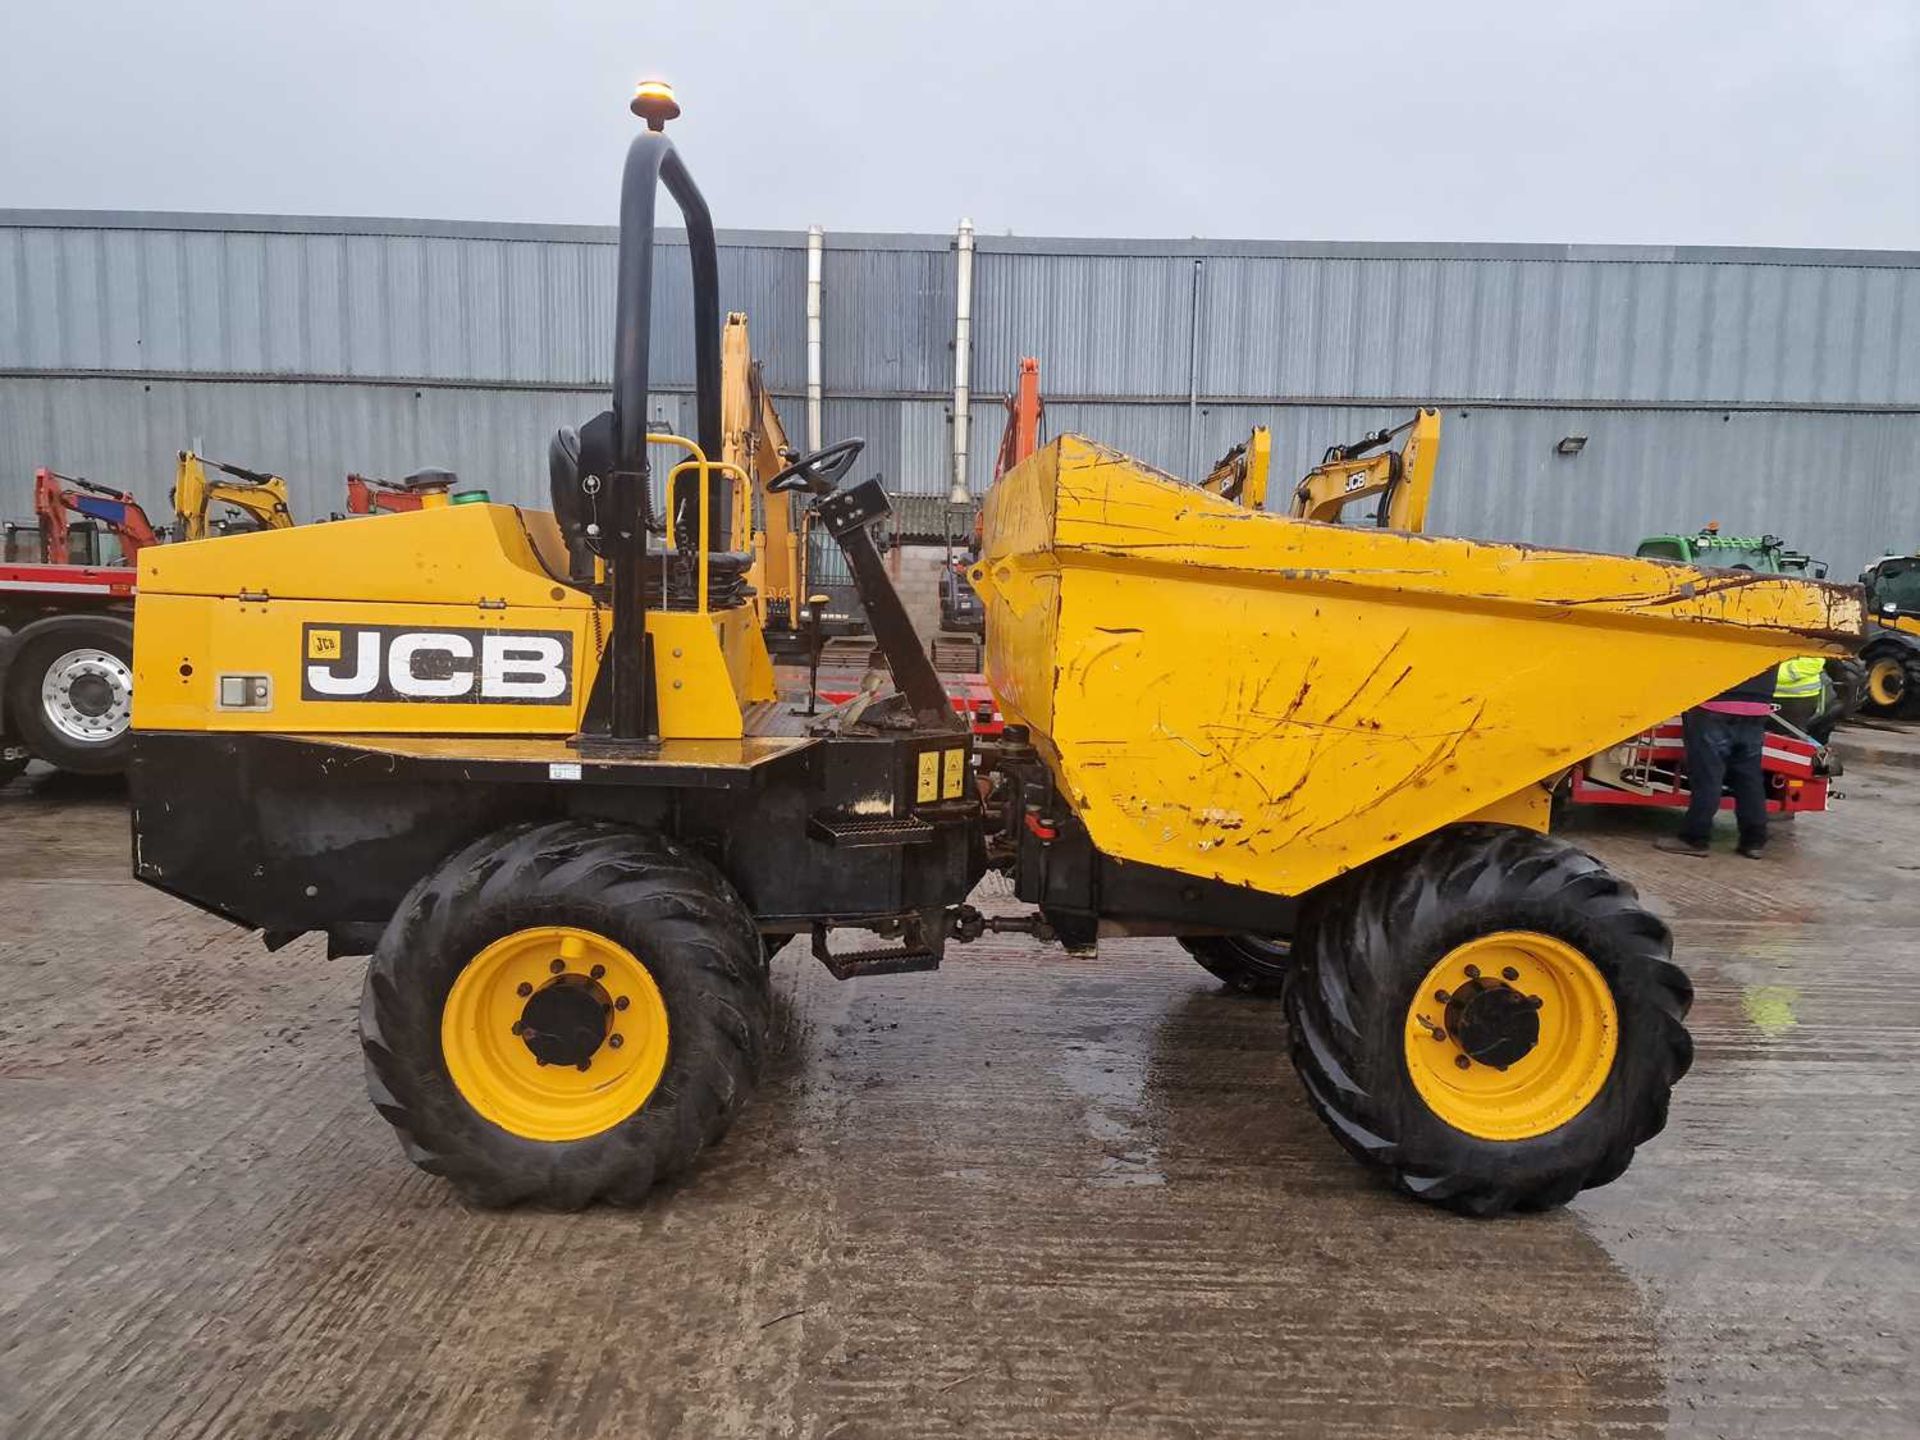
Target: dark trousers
(1723,753)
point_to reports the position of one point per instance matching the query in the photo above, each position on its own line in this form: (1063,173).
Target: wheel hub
(1493,1023)
(554,1033)
(87,695)
(1886,682)
(566,1021)
(1511,1035)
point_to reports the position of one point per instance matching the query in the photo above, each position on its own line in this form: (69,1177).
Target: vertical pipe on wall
(958,493)
(816,247)
(1193,376)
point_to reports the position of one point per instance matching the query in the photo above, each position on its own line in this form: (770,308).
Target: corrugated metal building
(1766,389)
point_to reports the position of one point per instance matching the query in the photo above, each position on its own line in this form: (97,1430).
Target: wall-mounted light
(1571,445)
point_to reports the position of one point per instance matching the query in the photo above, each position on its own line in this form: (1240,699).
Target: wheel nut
(519,1026)
(1442,996)
(1473,972)
(1535,1001)
(1510,973)
(597,972)
(557,966)
(1463,1062)
(586,1064)
(616,1041)
(523,990)
(621,1003)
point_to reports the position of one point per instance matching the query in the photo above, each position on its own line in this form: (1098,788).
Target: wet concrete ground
(1025,1196)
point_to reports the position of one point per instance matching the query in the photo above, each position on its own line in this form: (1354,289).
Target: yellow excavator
(1346,475)
(260,496)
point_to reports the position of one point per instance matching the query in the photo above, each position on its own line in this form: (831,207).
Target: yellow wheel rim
(582,1001)
(1886,682)
(1479,999)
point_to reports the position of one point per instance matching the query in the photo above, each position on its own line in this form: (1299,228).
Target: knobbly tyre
(534,763)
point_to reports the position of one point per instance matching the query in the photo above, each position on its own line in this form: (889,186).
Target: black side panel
(288,836)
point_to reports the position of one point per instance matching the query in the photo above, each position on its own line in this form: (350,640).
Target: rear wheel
(1251,964)
(1488,1018)
(70,693)
(564,1012)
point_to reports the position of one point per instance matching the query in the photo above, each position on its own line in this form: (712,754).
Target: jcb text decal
(392,662)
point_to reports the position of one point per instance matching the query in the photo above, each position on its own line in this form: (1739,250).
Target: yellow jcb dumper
(560,806)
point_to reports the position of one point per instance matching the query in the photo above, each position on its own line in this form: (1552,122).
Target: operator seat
(577,461)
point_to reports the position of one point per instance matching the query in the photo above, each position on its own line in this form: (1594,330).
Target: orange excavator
(55,495)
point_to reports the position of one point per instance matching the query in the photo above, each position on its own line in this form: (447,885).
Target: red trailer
(1651,769)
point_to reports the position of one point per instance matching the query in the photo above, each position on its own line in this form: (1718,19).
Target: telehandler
(1892,652)
(562,806)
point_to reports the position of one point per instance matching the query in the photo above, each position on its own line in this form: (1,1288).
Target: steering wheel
(819,472)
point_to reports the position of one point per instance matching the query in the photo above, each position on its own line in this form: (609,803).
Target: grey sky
(1728,122)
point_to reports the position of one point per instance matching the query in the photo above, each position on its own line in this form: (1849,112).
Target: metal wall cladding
(909,442)
(482,306)
(887,312)
(1101,324)
(533,305)
(1566,329)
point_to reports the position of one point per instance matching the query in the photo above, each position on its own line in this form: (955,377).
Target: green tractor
(1892,651)
(1763,554)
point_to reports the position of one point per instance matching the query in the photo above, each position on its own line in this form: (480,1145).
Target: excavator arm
(261,496)
(754,439)
(55,494)
(1241,473)
(1403,478)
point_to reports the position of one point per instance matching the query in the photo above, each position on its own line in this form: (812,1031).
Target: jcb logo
(390,662)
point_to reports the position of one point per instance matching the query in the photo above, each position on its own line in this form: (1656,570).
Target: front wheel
(1488,1018)
(564,1012)
(1251,964)
(1892,685)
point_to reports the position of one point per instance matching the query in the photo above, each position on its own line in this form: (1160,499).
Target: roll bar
(651,161)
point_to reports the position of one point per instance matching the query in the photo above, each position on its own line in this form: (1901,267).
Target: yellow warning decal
(955,778)
(929,776)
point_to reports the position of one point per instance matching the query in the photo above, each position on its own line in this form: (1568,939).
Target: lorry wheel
(564,1012)
(1251,964)
(1488,1018)
(70,693)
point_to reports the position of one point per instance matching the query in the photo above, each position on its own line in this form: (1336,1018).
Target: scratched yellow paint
(1270,701)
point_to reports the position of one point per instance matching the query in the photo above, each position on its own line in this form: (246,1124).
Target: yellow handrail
(704,466)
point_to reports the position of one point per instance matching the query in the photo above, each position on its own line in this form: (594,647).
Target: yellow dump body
(1269,702)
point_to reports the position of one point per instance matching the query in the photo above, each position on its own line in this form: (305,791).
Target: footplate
(914,953)
(849,832)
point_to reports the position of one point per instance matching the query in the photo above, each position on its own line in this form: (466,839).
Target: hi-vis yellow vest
(1799,679)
